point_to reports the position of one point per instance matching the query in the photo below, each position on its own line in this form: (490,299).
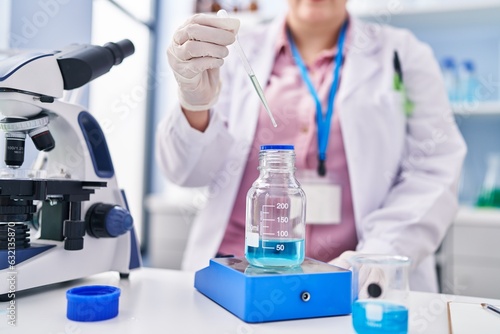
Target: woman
(392,156)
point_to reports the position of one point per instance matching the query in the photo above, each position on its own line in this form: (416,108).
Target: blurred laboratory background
(129,102)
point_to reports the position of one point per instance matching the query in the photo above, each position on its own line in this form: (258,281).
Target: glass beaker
(490,191)
(381,289)
(275,211)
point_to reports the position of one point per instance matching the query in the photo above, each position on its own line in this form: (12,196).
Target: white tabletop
(159,300)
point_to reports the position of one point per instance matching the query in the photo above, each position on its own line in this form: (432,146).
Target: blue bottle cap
(92,303)
(276,147)
(449,62)
(469,65)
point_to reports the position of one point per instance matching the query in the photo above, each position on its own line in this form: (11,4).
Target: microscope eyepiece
(120,50)
(87,63)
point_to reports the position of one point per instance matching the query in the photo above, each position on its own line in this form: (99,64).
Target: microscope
(65,218)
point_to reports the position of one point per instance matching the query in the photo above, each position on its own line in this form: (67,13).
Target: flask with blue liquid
(275,211)
(381,292)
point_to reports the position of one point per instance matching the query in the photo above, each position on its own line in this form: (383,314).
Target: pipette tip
(253,78)
(269,113)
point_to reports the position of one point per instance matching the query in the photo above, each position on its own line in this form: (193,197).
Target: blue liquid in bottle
(376,317)
(276,253)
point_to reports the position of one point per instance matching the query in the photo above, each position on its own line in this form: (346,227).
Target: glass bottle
(275,211)
(468,81)
(450,76)
(490,192)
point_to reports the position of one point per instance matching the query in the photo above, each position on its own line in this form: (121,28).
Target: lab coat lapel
(359,64)
(360,67)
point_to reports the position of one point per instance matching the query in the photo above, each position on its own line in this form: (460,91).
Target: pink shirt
(294,110)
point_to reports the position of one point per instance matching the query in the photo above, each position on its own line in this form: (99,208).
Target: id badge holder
(323,195)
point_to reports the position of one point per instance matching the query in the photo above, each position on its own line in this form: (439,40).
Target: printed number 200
(282,206)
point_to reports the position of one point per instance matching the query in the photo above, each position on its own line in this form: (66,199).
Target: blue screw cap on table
(92,303)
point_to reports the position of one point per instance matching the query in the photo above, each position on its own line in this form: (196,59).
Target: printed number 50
(280,247)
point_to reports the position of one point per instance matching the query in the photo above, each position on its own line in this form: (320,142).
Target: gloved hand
(372,282)
(343,260)
(371,279)
(196,53)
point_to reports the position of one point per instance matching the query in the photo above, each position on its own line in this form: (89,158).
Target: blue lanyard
(322,121)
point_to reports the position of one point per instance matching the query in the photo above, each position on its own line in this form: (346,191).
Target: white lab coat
(403,171)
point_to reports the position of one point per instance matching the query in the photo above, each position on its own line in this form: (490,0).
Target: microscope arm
(48,74)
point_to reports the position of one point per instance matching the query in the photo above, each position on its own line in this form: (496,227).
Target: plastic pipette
(251,74)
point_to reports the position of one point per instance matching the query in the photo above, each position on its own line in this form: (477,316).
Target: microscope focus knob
(108,220)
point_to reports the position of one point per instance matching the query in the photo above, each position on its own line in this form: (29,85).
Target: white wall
(273,7)
(49,24)
(4,23)
(173,14)
(118,99)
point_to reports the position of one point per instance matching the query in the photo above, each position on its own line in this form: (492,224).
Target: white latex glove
(366,276)
(371,276)
(196,54)
(343,260)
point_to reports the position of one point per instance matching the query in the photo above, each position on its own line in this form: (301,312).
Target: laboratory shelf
(468,259)
(474,216)
(441,13)
(476,108)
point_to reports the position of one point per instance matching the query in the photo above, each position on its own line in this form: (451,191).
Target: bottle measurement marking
(277,247)
(265,241)
(280,219)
